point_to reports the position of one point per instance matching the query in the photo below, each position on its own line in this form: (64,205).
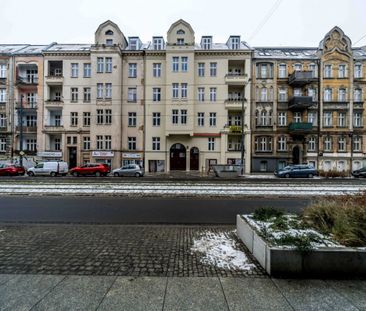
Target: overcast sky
(293,22)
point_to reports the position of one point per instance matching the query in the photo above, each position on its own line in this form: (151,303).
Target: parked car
(11,170)
(301,170)
(91,169)
(359,173)
(51,168)
(129,170)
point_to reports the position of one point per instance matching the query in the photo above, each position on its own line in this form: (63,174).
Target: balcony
(27,129)
(54,79)
(53,128)
(235,128)
(26,105)
(27,81)
(2,81)
(27,152)
(300,102)
(300,127)
(234,103)
(53,103)
(236,79)
(300,78)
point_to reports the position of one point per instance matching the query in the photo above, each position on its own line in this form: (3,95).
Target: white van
(51,168)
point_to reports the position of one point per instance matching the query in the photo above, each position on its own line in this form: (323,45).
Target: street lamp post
(21,131)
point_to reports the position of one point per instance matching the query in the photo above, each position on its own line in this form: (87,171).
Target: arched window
(264,96)
(263,118)
(181,32)
(357,96)
(109,32)
(313,68)
(282,71)
(328,95)
(342,95)
(297,67)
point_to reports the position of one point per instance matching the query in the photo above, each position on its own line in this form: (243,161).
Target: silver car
(129,170)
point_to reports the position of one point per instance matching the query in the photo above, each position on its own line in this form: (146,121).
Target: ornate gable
(336,41)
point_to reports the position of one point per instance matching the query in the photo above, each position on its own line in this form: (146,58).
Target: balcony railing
(27,129)
(236,79)
(53,128)
(301,78)
(53,103)
(300,127)
(235,128)
(27,80)
(300,102)
(234,103)
(54,78)
(26,105)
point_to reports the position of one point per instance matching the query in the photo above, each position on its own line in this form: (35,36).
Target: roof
(285,52)
(68,48)
(11,48)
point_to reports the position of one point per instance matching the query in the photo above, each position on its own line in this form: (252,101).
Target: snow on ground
(219,250)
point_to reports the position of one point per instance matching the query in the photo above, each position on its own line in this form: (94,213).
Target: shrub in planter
(333,174)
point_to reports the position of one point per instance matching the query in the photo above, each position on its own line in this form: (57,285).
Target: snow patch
(219,250)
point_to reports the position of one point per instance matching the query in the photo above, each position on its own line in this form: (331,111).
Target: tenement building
(308,105)
(177,103)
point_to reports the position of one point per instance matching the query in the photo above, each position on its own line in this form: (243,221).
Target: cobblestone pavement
(127,250)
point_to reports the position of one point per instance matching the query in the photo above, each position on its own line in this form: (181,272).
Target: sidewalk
(45,292)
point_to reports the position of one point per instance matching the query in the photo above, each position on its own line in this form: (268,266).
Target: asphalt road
(119,210)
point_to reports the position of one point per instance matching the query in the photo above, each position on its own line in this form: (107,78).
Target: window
(87,94)
(282,95)
(264,96)
(180,41)
(132,70)
(2,120)
(74,70)
(156,118)
(342,144)
(212,94)
(184,90)
(282,71)
(156,143)
(99,90)
(108,116)
(86,118)
(327,71)
(357,96)
(328,96)
(328,118)
(108,142)
(132,119)
(156,70)
(74,94)
(100,64)
(234,43)
(357,143)
(327,143)
(57,120)
(100,116)
(109,42)
(133,44)
(342,95)
(358,71)
(108,90)
(69,140)
(158,43)
(201,69)
(2,95)
(213,69)
(312,144)
(357,119)
(57,144)
(211,143)
(31,144)
(312,117)
(86,143)
(313,69)
(342,71)
(156,94)
(87,70)
(2,144)
(131,143)
(201,94)
(2,71)
(175,116)
(263,144)
(206,43)
(312,94)
(175,64)
(201,119)
(32,99)
(74,119)
(297,67)
(212,118)
(263,166)
(175,88)
(99,142)
(297,91)
(108,64)
(341,119)
(183,116)
(282,118)
(263,71)
(31,120)
(184,60)
(132,95)
(281,143)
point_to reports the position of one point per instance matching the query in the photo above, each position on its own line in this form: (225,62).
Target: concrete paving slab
(6,277)
(77,293)
(194,294)
(312,295)
(24,291)
(142,293)
(353,290)
(253,294)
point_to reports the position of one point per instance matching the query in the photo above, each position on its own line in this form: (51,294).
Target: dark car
(301,170)
(11,170)
(91,169)
(359,173)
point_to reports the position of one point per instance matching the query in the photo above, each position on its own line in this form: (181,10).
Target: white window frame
(213,94)
(201,94)
(328,118)
(211,143)
(74,70)
(157,70)
(282,118)
(132,70)
(200,119)
(175,90)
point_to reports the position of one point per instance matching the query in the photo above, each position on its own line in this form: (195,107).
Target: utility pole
(21,131)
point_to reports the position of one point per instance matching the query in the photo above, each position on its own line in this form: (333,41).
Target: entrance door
(72,157)
(296,155)
(194,159)
(178,157)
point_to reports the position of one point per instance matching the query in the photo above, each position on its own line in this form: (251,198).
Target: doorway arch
(194,163)
(178,158)
(296,155)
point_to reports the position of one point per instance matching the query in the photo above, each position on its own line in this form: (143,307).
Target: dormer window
(158,43)
(206,43)
(180,41)
(181,32)
(234,42)
(133,43)
(109,32)
(109,42)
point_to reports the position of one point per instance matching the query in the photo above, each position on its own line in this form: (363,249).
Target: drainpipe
(319,115)
(21,131)
(242,133)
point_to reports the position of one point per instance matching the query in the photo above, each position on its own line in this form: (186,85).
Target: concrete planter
(227,171)
(323,262)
